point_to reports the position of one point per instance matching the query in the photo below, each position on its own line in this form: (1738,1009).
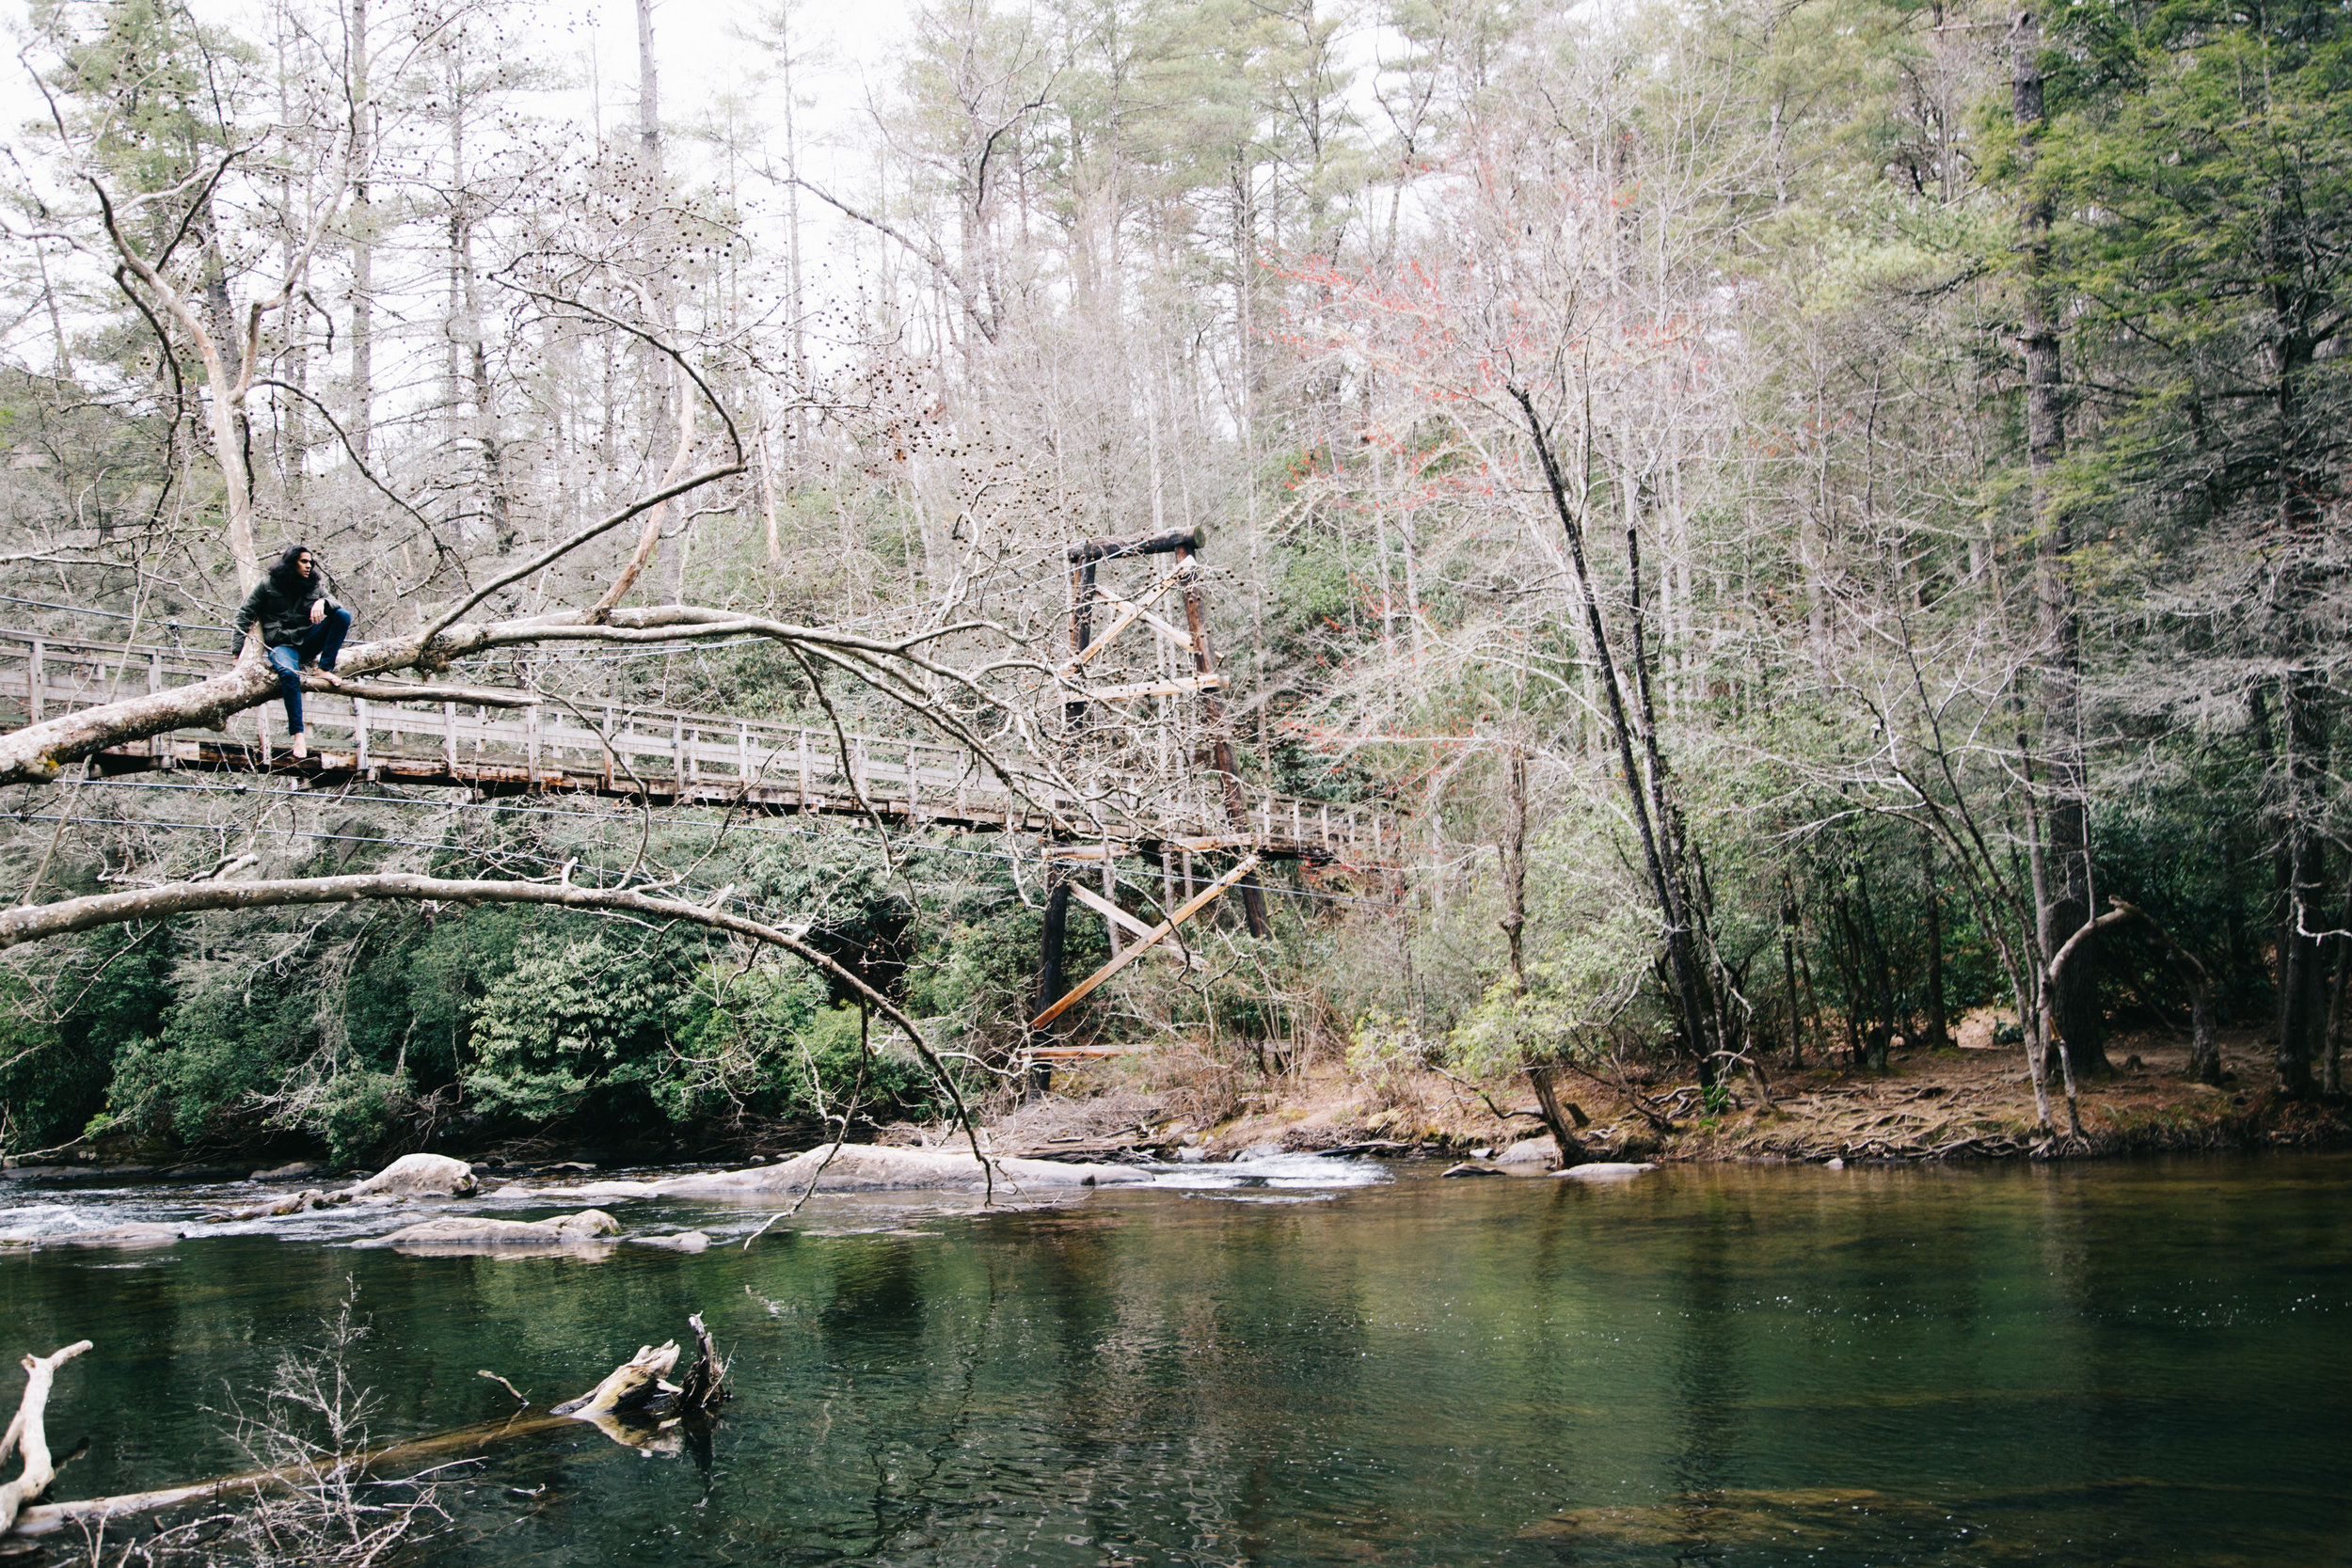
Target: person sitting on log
(300,624)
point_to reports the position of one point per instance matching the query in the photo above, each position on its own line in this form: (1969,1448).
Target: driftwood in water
(630,1406)
(28,1435)
(638,1388)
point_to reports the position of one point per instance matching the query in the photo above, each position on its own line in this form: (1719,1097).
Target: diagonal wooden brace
(1144,944)
(1130,611)
(1129,924)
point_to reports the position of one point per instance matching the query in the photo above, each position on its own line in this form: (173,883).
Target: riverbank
(1968,1101)
(1971,1101)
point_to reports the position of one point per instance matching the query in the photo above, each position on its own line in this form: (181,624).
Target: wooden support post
(1110,894)
(913,787)
(1205,662)
(1071,998)
(743,757)
(1323,823)
(154,671)
(359,734)
(1051,936)
(678,758)
(448,738)
(804,752)
(1081,633)
(611,759)
(530,746)
(36,682)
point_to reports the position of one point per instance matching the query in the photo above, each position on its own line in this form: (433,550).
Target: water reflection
(2114,1365)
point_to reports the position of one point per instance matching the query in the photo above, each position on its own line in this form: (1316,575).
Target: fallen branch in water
(28,1433)
(630,1406)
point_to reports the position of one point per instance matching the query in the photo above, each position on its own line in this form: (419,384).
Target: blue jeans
(322,641)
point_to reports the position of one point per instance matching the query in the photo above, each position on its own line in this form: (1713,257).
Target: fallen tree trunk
(630,1402)
(2204,1052)
(28,1433)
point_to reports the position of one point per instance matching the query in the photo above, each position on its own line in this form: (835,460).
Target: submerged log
(627,1388)
(632,1404)
(638,1385)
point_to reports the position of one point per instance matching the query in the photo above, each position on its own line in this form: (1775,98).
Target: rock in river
(460,1230)
(419,1175)
(112,1235)
(1606,1170)
(873,1168)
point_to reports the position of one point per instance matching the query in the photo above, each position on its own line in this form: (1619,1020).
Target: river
(1322,1361)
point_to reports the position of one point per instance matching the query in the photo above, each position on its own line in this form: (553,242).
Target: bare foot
(301,746)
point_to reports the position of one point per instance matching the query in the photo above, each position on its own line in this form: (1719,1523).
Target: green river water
(1330,1362)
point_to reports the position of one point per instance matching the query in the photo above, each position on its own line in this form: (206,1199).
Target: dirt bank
(1953,1104)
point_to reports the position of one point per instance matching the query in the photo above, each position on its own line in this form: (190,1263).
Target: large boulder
(464,1230)
(1542,1153)
(876,1168)
(419,1175)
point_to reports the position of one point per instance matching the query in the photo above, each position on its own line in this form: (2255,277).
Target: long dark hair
(286,575)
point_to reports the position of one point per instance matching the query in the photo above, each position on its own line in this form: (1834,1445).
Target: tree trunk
(648,93)
(1054,931)
(2301,969)
(2332,1080)
(362,231)
(1558,1115)
(1668,883)
(1514,850)
(1939,1024)
(1788,967)
(2065,902)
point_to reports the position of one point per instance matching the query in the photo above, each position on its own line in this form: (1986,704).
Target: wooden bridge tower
(1099,716)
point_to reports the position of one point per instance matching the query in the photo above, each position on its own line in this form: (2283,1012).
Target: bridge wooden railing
(657,755)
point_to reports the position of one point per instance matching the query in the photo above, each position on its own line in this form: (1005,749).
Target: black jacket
(282,612)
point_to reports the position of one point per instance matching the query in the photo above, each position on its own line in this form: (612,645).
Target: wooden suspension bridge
(541,744)
(653,755)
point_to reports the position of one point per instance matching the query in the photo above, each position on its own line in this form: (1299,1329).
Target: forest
(1815,521)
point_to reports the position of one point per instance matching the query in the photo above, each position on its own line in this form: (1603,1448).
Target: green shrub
(576,1019)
